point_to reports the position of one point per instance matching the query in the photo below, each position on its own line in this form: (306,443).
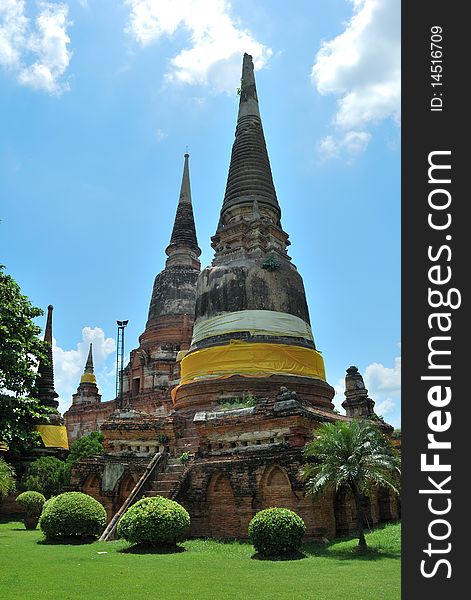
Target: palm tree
(353,454)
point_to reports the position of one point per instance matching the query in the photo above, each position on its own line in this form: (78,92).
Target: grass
(201,570)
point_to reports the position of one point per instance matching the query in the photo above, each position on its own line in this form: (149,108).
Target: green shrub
(154,521)
(46,475)
(7,478)
(31,502)
(276,531)
(72,515)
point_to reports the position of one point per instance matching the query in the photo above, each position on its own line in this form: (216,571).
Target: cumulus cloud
(385,407)
(383,380)
(362,67)
(35,51)
(216,39)
(69,364)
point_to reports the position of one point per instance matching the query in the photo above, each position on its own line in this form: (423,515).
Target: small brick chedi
(227,373)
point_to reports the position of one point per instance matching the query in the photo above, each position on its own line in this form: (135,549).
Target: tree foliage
(47,475)
(7,478)
(88,445)
(354,455)
(20,351)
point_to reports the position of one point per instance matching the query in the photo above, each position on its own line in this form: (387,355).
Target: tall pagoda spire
(46,392)
(249,181)
(251,314)
(183,239)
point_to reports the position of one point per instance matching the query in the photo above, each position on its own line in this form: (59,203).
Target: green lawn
(202,570)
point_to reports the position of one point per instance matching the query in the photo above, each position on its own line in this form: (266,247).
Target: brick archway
(387,505)
(223,516)
(345,512)
(126,486)
(276,490)
(91,486)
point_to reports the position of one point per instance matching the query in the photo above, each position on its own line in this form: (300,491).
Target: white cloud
(36,53)
(217,41)
(160,134)
(69,364)
(362,67)
(383,380)
(347,146)
(385,407)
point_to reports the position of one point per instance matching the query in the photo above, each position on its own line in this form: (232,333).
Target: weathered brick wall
(222,496)
(109,479)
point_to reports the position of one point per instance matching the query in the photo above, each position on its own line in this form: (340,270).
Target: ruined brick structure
(250,388)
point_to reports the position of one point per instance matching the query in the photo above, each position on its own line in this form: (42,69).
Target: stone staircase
(167,482)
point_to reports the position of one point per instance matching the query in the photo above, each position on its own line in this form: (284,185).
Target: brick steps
(167,482)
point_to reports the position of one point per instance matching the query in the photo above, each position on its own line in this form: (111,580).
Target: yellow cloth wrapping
(88,378)
(250,359)
(53,436)
(259,322)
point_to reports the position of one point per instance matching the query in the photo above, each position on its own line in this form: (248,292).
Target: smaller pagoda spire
(87,391)
(45,382)
(183,242)
(88,373)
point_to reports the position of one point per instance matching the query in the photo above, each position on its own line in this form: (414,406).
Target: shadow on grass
(352,553)
(281,557)
(153,549)
(67,541)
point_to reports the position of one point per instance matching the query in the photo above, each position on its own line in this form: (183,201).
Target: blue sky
(98,101)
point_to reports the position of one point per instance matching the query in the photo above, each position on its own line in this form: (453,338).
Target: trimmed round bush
(72,515)
(153,521)
(276,531)
(32,503)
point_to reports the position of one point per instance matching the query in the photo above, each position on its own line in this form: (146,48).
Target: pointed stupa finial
(248,104)
(249,176)
(45,382)
(183,239)
(88,373)
(48,330)
(185,189)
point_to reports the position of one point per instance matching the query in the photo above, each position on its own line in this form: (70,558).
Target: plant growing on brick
(184,457)
(153,521)
(32,503)
(276,531)
(72,515)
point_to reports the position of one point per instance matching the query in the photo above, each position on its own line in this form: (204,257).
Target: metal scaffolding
(120,363)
